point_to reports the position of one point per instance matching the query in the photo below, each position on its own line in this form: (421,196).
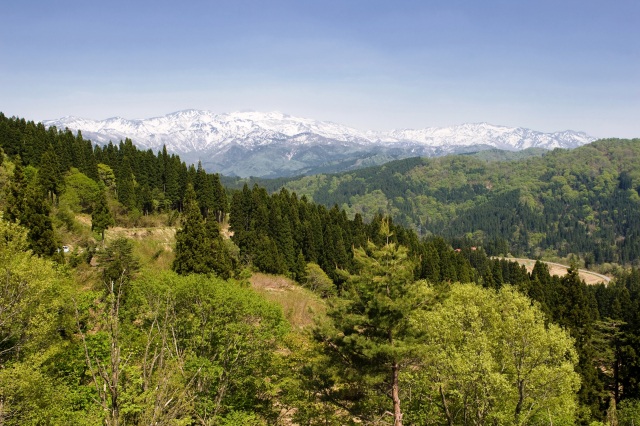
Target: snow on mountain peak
(197,130)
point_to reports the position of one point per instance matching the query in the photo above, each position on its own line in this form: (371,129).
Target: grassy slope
(299,305)
(154,247)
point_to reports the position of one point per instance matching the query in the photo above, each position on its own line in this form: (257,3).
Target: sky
(373,65)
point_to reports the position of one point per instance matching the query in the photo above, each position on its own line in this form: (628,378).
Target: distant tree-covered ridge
(584,201)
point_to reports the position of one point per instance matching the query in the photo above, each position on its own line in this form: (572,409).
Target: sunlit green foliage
(34,318)
(490,358)
(80,192)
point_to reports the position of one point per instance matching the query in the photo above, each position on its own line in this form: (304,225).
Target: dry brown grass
(299,305)
(225,231)
(153,246)
(87,277)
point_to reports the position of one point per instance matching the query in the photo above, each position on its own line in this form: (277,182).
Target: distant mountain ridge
(275,144)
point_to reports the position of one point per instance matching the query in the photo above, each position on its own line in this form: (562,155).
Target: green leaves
(227,335)
(488,357)
(34,317)
(32,296)
(80,192)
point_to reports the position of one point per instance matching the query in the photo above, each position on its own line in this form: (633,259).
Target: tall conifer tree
(370,333)
(36,219)
(218,256)
(191,241)
(49,173)
(204,191)
(101,217)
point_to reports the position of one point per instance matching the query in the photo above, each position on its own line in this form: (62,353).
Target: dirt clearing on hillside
(589,277)
(165,234)
(299,305)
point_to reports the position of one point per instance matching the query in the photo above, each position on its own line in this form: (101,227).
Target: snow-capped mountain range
(275,144)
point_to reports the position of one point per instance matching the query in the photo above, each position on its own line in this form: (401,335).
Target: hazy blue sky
(546,65)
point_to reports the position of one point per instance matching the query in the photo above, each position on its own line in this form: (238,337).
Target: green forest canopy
(584,201)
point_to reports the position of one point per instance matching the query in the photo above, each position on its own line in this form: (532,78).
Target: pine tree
(218,256)
(267,258)
(430,264)
(117,262)
(101,218)
(26,205)
(370,333)
(240,219)
(126,184)
(15,192)
(220,202)
(204,191)
(280,231)
(49,174)
(145,200)
(38,222)
(575,311)
(191,241)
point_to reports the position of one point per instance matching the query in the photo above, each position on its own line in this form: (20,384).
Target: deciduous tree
(489,358)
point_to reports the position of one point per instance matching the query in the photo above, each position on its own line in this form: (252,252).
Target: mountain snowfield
(275,144)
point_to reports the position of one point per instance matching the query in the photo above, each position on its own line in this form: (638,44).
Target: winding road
(589,277)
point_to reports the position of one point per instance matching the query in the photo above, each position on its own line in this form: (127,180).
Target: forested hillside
(583,202)
(414,329)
